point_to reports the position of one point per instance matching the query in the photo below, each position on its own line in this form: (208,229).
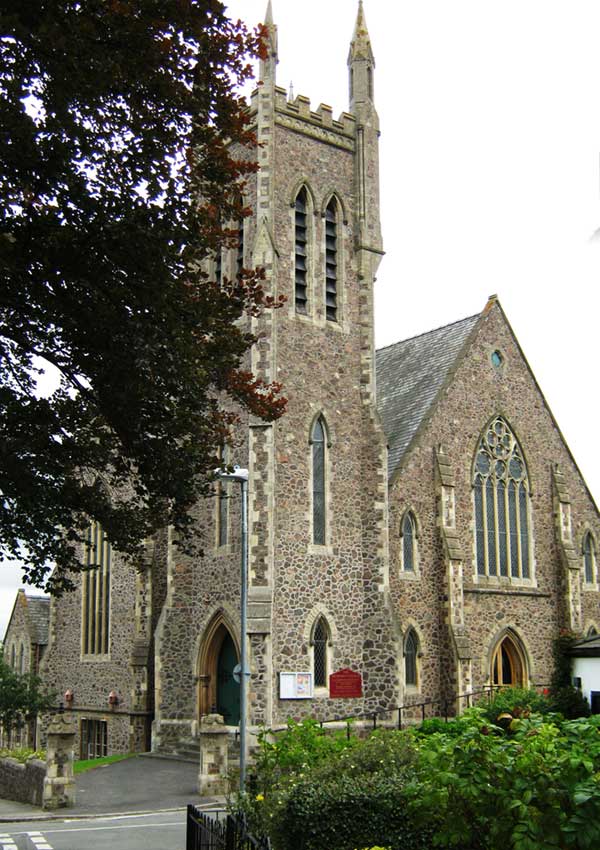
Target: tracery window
(411,653)
(409,543)
(318,482)
(589,558)
(96,592)
(331,260)
(501,497)
(301,251)
(320,643)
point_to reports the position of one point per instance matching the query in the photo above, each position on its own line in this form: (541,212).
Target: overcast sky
(490,141)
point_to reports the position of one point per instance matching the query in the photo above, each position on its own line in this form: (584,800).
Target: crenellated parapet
(320,124)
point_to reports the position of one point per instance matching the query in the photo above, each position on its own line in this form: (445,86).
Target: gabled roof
(586,647)
(38,610)
(409,377)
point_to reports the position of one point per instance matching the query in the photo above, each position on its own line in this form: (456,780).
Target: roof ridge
(432,330)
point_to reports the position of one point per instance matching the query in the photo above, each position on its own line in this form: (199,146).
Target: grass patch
(88,764)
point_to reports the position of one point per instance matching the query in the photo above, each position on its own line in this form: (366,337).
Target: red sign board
(345,684)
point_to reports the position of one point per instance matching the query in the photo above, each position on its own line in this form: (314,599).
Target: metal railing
(396,716)
(220,830)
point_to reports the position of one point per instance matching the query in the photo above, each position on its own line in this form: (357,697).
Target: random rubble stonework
(402,429)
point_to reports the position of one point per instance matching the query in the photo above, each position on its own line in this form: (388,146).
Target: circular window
(497,359)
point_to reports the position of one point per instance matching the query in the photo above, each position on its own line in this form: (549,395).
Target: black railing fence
(415,712)
(220,830)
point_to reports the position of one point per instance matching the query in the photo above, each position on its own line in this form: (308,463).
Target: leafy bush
(515,701)
(349,811)
(22,754)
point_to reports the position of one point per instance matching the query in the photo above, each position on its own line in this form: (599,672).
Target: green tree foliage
(22,697)
(123,152)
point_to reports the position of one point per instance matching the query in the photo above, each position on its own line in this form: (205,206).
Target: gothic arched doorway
(218,691)
(508,666)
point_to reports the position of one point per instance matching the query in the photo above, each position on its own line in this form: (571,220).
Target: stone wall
(476,392)
(22,782)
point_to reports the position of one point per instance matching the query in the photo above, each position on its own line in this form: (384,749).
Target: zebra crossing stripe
(39,841)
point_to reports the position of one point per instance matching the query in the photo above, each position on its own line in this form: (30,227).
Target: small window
(96,592)
(409,543)
(239,260)
(22,660)
(589,559)
(411,654)
(301,252)
(218,267)
(331,260)
(94,739)
(592,632)
(497,359)
(13,657)
(318,482)
(223,499)
(320,643)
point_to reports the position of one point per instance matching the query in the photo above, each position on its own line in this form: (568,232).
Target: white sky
(490,140)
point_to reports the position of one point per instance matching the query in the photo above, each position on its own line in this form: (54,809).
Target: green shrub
(347,812)
(515,701)
(22,754)
(569,702)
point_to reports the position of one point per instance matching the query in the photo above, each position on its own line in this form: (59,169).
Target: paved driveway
(138,784)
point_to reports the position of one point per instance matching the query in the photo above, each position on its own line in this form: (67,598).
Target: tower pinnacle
(267,65)
(361,63)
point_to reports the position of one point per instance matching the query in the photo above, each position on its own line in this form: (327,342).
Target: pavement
(135,785)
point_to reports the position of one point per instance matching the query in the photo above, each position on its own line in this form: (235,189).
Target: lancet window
(409,543)
(589,558)
(320,643)
(411,654)
(96,592)
(501,496)
(318,482)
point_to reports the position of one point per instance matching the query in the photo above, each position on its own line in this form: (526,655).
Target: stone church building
(415,517)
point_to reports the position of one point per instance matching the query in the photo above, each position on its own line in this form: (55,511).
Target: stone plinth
(59,785)
(212,778)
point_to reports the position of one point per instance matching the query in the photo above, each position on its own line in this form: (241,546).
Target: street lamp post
(241,476)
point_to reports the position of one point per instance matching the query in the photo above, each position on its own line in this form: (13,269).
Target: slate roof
(409,376)
(38,613)
(589,646)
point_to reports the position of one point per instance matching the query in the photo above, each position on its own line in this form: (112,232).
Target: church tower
(317,477)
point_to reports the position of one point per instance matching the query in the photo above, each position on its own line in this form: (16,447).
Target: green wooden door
(228,690)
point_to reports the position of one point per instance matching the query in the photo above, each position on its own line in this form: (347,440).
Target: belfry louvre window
(96,592)
(589,558)
(501,496)
(331,258)
(318,482)
(320,640)
(300,252)
(94,738)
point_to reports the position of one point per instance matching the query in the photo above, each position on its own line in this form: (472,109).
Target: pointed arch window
(331,260)
(223,499)
(218,267)
(318,482)
(239,257)
(13,657)
(589,558)
(96,592)
(411,656)
(320,653)
(22,659)
(409,543)
(501,498)
(301,251)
